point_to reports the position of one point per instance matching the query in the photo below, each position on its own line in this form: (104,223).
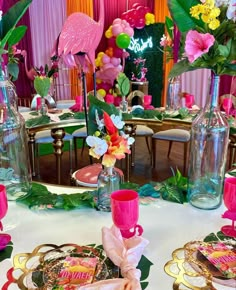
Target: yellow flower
(214,23)
(209,3)
(196,10)
(215,12)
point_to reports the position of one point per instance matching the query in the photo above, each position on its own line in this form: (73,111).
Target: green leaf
(172,193)
(37,121)
(40,197)
(13,15)
(219,236)
(180,12)
(13,70)
(123,84)
(42,85)
(16,35)
(169,26)
(6,253)
(179,68)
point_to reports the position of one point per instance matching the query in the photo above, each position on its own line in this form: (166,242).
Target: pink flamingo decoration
(78,41)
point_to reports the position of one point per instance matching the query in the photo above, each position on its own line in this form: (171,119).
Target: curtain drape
(85,7)
(47,20)
(161,11)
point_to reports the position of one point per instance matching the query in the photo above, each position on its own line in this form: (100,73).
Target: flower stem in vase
(108,181)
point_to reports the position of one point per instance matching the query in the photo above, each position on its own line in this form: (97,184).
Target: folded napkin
(124,253)
(76,107)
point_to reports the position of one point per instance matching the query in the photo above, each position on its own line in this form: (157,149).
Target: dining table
(168,226)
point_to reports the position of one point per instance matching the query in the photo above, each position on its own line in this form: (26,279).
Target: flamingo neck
(101,13)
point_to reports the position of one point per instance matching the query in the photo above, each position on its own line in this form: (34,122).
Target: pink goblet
(147,100)
(227,105)
(189,100)
(229,197)
(125,212)
(79,102)
(3,204)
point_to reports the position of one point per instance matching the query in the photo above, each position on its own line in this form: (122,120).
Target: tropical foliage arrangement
(10,35)
(208,35)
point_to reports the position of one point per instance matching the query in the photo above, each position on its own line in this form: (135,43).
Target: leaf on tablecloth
(219,236)
(37,121)
(130,185)
(144,266)
(40,197)
(6,253)
(79,115)
(66,116)
(148,190)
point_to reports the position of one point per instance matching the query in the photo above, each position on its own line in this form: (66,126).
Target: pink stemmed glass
(229,197)
(189,100)
(125,212)
(227,105)
(3,204)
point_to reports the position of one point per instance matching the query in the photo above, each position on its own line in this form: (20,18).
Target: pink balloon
(125,23)
(131,22)
(135,5)
(116,29)
(141,11)
(105,59)
(115,61)
(119,67)
(116,21)
(125,16)
(147,9)
(117,52)
(107,65)
(140,23)
(112,42)
(129,31)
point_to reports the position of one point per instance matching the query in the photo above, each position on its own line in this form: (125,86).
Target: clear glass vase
(43,108)
(208,153)
(124,105)
(173,94)
(15,171)
(108,181)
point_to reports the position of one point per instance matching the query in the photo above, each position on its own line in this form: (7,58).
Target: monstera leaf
(99,107)
(9,21)
(179,10)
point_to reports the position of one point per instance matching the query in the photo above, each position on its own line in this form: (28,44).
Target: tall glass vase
(15,171)
(208,153)
(108,181)
(173,91)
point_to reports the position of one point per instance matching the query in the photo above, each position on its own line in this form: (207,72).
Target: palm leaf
(13,15)
(180,12)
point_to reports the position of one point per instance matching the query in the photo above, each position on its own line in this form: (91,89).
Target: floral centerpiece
(10,35)
(109,141)
(208,35)
(139,73)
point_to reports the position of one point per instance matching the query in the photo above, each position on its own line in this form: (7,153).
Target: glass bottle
(208,153)
(108,181)
(124,105)
(173,91)
(15,171)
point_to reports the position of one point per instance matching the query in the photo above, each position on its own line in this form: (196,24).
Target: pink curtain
(47,20)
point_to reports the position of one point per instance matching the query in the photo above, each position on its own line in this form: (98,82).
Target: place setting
(117,263)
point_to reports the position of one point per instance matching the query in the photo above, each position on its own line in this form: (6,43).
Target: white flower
(99,122)
(0,15)
(219,3)
(126,136)
(231,11)
(98,145)
(118,123)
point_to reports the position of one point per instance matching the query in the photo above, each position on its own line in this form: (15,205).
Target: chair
(171,135)
(44,137)
(79,134)
(145,132)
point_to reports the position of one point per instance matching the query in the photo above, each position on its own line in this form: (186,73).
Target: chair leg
(37,152)
(185,156)
(147,142)
(83,146)
(70,153)
(169,150)
(75,149)
(153,153)
(132,148)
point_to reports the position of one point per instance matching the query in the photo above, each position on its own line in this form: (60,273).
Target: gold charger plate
(40,269)
(192,270)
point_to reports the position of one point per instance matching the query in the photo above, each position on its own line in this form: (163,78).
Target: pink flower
(197,44)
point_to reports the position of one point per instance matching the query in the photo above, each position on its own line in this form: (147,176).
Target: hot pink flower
(197,44)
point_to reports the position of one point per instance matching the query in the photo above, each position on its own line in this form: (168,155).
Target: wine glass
(3,203)
(125,212)
(227,105)
(189,100)
(229,197)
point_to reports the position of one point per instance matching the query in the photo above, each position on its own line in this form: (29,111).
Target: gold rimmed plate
(49,266)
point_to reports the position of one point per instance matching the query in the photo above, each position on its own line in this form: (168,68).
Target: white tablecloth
(167,226)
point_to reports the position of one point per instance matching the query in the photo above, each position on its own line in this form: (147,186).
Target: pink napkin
(124,253)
